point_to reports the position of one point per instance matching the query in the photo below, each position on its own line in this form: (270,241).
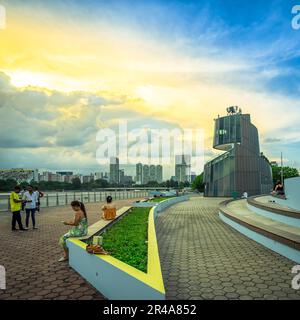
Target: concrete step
(279,236)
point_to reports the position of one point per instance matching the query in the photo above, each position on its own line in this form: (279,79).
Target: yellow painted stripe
(153,277)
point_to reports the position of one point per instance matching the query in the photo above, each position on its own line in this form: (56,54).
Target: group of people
(27,200)
(80,222)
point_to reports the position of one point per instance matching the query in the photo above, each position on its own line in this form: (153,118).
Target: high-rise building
(152,173)
(183,168)
(146,174)
(159,173)
(121,176)
(114,170)
(139,173)
(241,167)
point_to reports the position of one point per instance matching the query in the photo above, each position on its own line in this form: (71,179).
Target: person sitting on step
(109,210)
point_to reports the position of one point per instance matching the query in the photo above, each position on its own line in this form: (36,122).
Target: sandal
(62,259)
(95,249)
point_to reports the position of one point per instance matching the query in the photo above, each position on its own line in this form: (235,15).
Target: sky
(71,68)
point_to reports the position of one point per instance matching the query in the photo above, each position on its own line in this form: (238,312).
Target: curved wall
(292,193)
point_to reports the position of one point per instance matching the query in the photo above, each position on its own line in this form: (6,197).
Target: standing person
(80,227)
(21,196)
(15,207)
(109,210)
(30,206)
(39,195)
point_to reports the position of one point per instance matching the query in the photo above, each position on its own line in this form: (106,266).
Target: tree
(288,172)
(198,183)
(7,185)
(76,183)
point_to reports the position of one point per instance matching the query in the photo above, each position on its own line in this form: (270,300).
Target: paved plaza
(30,257)
(201,257)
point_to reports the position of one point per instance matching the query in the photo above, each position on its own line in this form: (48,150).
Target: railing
(54,199)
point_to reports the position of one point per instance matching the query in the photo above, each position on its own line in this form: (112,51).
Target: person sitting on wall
(279,189)
(80,227)
(109,210)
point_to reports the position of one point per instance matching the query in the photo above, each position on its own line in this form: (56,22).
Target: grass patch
(159,199)
(126,240)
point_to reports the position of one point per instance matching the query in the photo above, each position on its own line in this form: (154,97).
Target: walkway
(30,258)
(203,258)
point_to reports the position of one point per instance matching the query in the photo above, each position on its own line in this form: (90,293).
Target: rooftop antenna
(232,110)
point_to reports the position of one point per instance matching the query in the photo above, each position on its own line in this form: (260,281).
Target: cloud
(271,140)
(37,117)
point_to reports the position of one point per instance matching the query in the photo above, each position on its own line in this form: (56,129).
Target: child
(80,227)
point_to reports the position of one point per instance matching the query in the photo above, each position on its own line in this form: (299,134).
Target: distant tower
(139,173)
(159,173)
(182,167)
(146,174)
(114,176)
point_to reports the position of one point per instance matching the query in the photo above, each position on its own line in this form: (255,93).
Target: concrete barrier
(292,193)
(116,279)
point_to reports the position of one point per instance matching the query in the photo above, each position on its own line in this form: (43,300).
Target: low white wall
(292,193)
(113,282)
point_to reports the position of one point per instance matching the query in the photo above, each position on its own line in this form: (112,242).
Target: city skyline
(116,173)
(67,71)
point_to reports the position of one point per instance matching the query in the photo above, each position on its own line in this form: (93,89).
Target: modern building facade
(114,175)
(139,173)
(159,173)
(146,174)
(241,167)
(152,170)
(183,168)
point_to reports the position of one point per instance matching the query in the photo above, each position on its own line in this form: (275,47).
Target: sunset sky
(69,68)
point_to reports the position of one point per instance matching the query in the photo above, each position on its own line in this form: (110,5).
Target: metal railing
(54,199)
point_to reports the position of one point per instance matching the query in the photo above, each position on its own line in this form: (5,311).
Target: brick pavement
(203,258)
(30,258)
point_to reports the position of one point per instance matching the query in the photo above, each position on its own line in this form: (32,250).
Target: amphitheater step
(284,238)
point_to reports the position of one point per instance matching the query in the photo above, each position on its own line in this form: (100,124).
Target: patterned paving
(30,258)
(203,258)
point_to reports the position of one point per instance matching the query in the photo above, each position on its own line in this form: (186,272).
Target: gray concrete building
(241,167)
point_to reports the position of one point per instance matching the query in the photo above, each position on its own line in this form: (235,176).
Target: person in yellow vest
(109,210)
(15,208)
